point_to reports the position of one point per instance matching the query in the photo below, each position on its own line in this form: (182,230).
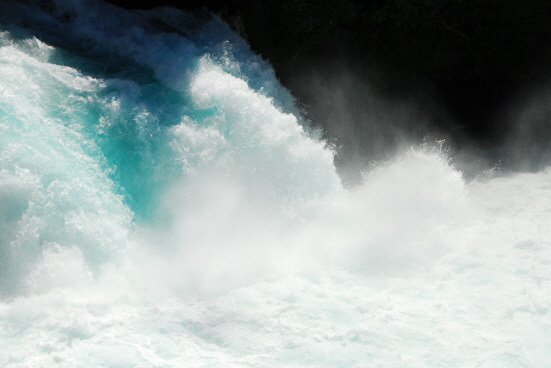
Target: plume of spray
(216,194)
(527,132)
(365,116)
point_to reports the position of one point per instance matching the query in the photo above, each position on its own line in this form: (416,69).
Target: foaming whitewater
(162,204)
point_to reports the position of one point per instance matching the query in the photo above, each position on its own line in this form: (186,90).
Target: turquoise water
(163,204)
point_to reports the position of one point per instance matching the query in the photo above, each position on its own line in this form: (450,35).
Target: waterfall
(163,203)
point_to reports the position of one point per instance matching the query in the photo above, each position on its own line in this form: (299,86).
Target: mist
(166,201)
(526,142)
(370,115)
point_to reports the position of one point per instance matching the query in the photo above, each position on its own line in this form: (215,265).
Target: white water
(162,206)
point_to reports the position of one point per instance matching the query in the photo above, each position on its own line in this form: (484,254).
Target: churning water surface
(162,204)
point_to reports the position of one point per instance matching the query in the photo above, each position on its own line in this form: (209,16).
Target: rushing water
(163,205)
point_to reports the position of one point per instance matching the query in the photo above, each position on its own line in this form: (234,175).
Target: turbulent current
(163,204)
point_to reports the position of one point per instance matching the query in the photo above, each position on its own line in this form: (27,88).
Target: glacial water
(162,204)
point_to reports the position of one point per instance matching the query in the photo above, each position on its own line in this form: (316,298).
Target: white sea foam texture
(54,193)
(253,254)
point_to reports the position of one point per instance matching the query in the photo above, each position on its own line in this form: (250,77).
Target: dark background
(377,74)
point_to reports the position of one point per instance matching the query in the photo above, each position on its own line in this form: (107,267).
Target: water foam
(162,204)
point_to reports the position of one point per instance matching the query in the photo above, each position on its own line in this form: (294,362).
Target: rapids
(164,204)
